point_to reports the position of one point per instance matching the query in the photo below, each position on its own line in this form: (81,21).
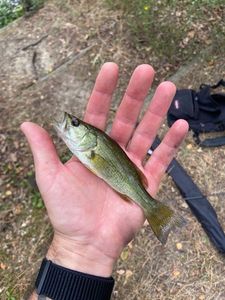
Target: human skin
(92,223)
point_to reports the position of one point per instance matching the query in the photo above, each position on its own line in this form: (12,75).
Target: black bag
(205,112)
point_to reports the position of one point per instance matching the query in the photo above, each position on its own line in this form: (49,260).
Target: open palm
(84,211)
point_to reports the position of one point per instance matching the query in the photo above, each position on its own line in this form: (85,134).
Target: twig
(34,65)
(68,62)
(35,43)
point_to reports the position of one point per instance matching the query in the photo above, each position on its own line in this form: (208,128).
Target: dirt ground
(48,62)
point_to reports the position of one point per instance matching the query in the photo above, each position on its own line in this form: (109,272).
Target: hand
(91,222)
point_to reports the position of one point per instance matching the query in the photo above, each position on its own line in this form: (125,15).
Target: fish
(105,158)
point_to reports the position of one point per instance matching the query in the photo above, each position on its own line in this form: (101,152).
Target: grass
(9,11)
(9,295)
(173,30)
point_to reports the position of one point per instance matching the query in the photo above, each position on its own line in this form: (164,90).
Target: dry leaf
(125,254)
(176,273)
(128,273)
(178,13)
(130,245)
(8,193)
(3,266)
(145,223)
(179,246)
(120,272)
(184,205)
(16,144)
(191,34)
(13,157)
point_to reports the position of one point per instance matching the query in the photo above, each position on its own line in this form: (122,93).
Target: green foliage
(32,5)
(9,295)
(36,200)
(152,24)
(163,27)
(9,11)
(34,195)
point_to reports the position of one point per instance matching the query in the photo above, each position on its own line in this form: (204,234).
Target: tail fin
(162,220)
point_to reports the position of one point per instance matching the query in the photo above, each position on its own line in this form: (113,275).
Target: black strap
(221,82)
(198,203)
(212,142)
(59,283)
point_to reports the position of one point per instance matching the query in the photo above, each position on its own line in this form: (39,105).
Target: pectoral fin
(100,165)
(98,160)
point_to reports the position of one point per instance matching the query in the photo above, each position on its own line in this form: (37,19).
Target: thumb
(42,147)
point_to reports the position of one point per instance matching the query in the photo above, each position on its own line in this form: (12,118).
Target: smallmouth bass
(106,159)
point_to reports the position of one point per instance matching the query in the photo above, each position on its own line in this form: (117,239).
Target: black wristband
(59,283)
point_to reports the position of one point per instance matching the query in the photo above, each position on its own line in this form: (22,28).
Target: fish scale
(118,171)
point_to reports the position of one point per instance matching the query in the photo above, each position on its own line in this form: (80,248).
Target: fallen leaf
(16,144)
(130,245)
(191,34)
(211,62)
(208,41)
(145,223)
(178,13)
(179,246)
(176,273)
(17,210)
(129,273)
(184,205)
(8,193)
(3,266)
(13,157)
(189,146)
(125,254)
(120,272)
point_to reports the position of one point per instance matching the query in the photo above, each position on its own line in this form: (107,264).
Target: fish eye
(75,122)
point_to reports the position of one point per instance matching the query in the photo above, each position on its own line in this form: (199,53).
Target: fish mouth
(59,118)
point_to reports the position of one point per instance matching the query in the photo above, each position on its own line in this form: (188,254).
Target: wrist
(80,257)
